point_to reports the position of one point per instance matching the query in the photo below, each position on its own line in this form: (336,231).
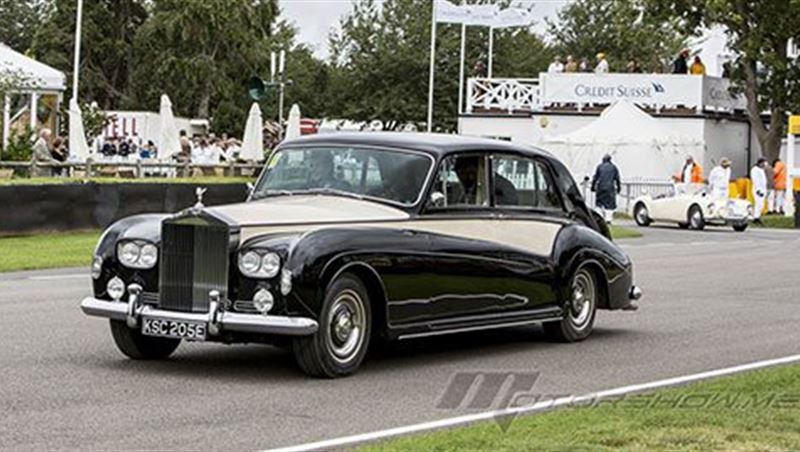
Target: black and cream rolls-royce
(349,239)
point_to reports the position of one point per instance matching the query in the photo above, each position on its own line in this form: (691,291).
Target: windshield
(394,176)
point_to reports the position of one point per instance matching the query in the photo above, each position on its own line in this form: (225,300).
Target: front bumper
(217,320)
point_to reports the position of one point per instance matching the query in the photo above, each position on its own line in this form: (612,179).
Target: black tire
(683,225)
(740,227)
(641,215)
(577,325)
(133,344)
(345,311)
(695,218)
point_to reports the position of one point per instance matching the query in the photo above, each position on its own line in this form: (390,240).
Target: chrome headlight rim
(259,264)
(137,254)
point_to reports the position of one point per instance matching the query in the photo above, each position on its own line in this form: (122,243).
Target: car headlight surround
(137,254)
(259,264)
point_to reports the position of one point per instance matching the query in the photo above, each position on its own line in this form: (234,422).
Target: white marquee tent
(641,147)
(253,139)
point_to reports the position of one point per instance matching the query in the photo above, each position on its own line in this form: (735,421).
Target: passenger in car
(467,171)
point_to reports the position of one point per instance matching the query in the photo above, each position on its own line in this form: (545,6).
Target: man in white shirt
(759,180)
(602,64)
(556,66)
(719,180)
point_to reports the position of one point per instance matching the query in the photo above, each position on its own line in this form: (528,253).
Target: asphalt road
(712,299)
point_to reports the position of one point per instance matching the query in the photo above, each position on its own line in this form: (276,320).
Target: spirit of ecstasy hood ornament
(199,193)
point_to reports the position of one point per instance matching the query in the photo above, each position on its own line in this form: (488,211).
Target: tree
(107,34)
(758,32)
(379,62)
(19,19)
(623,30)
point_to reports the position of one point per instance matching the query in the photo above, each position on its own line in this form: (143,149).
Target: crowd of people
(571,64)
(200,149)
(767,187)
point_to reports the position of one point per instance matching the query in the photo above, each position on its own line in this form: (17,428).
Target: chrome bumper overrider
(218,321)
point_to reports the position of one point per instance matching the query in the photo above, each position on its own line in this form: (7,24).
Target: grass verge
(775,222)
(620,232)
(47,250)
(753,411)
(119,180)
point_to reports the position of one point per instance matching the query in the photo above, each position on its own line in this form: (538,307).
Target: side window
(523,183)
(460,182)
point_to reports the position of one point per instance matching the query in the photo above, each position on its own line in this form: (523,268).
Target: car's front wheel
(339,345)
(641,215)
(133,344)
(580,310)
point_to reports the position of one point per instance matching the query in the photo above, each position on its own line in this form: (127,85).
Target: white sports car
(692,206)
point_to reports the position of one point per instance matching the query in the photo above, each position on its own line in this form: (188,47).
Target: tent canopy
(43,77)
(641,146)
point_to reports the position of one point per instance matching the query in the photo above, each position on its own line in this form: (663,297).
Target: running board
(462,325)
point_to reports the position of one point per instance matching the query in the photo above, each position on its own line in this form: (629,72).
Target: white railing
(652,91)
(502,94)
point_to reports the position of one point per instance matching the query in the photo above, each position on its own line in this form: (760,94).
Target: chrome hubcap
(641,215)
(583,300)
(346,326)
(696,217)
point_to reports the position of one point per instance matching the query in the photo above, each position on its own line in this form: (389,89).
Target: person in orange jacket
(691,173)
(777,204)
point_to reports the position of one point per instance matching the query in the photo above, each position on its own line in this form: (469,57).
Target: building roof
(433,143)
(43,77)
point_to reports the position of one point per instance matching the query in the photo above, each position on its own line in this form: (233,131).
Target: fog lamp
(115,288)
(263,301)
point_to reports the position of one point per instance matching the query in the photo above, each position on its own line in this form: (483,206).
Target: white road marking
(50,277)
(541,406)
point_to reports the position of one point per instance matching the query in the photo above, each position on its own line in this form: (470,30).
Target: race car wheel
(580,309)
(740,227)
(340,344)
(696,220)
(133,344)
(641,215)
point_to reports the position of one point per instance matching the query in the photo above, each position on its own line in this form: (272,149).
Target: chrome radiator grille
(193,262)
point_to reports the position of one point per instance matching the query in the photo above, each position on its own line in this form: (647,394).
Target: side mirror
(437,199)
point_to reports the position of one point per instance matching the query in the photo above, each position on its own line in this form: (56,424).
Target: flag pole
(76,62)
(461,67)
(491,50)
(431,68)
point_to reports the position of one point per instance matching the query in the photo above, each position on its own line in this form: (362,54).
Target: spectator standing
(759,188)
(42,153)
(779,169)
(691,173)
(769,172)
(633,67)
(719,180)
(606,185)
(679,66)
(59,154)
(479,69)
(185,155)
(556,67)
(584,66)
(572,65)
(602,64)
(697,68)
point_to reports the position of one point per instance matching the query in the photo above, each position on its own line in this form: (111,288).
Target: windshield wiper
(332,191)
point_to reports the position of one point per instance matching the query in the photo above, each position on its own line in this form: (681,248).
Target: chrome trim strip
(478,328)
(227,321)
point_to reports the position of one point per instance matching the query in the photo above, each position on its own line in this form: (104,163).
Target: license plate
(194,331)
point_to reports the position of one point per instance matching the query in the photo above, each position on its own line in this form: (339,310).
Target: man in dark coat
(606,185)
(680,66)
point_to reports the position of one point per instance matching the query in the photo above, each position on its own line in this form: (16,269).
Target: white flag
(450,13)
(484,15)
(512,17)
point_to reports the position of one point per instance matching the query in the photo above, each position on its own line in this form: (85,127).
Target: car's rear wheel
(580,310)
(641,215)
(740,227)
(133,344)
(339,345)
(696,220)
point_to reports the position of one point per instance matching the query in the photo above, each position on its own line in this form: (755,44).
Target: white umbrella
(293,124)
(78,148)
(253,140)
(169,141)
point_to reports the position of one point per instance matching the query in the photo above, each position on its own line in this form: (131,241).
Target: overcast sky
(314,19)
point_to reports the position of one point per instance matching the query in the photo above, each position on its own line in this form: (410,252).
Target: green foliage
(18,22)
(94,120)
(623,30)
(20,146)
(758,32)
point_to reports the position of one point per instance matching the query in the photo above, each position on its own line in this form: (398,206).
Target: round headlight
(270,265)
(249,263)
(263,301)
(115,288)
(148,255)
(129,254)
